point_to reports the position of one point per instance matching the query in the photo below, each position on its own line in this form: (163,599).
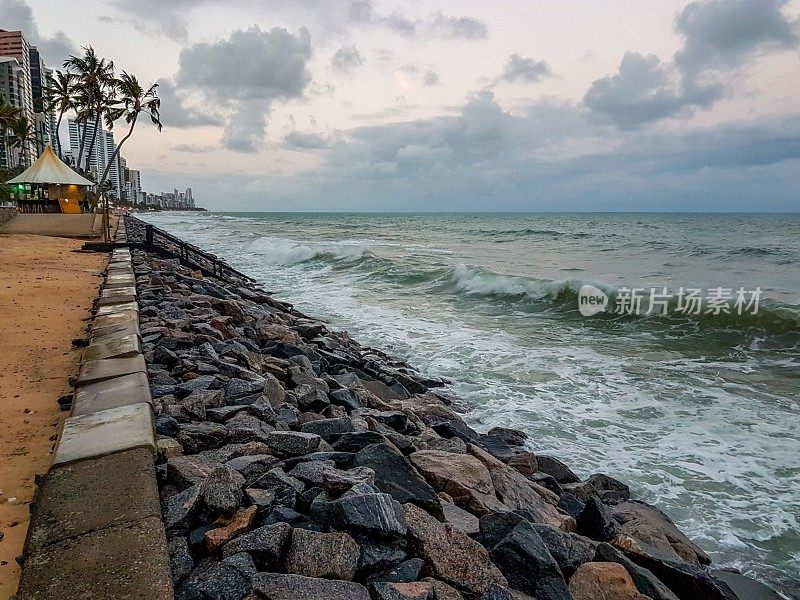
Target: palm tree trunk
(116,153)
(91,146)
(58,137)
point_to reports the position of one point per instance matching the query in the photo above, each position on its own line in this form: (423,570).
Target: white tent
(48,168)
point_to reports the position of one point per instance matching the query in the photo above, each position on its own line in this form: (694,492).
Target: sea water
(698,413)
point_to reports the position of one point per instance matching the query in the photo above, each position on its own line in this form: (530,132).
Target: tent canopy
(48,168)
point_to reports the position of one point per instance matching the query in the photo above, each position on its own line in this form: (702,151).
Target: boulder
(197,437)
(292,443)
(603,581)
(462,476)
(396,476)
(218,580)
(266,545)
(449,554)
(404,572)
(329,429)
(650,525)
(239,523)
(277,586)
(525,560)
(460,519)
(596,521)
(525,462)
(512,437)
(557,469)
(608,489)
(325,475)
(647,583)
(376,514)
(569,550)
(180,561)
(353,442)
(179,510)
(221,492)
(252,466)
(186,471)
(329,555)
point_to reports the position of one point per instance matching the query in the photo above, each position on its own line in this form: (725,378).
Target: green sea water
(697,413)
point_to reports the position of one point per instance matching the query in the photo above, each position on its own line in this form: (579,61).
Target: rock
(744,587)
(252,466)
(460,519)
(243,563)
(650,525)
(597,522)
(512,437)
(219,581)
(377,514)
(608,489)
(603,581)
(525,462)
(166,425)
(329,555)
(273,390)
(383,391)
(353,442)
(247,428)
(325,475)
(396,476)
(557,469)
(328,429)
(293,443)
(417,590)
(570,504)
(179,510)
(180,561)
(203,382)
(461,476)
(345,397)
(197,437)
(266,545)
(452,445)
(221,492)
(168,448)
(450,555)
(526,562)
(276,586)
(378,557)
(239,388)
(647,583)
(266,500)
(518,493)
(239,523)
(186,471)
(164,356)
(496,446)
(569,550)
(406,571)
(684,579)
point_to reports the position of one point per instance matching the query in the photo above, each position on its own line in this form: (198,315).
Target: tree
(8,114)
(22,134)
(60,97)
(132,101)
(94,93)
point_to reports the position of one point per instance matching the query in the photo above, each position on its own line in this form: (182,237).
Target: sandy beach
(46,291)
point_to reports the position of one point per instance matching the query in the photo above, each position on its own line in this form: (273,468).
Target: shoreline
(46,292)
(436,447)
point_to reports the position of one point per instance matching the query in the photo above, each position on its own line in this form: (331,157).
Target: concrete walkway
(55,225)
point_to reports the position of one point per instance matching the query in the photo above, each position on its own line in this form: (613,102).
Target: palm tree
(94,92)
(60,96)
(8,114)
(22,134)
(132,101)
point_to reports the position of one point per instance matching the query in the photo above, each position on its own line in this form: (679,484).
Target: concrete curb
(96,528)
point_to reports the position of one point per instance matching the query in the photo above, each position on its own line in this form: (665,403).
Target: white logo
(591,300)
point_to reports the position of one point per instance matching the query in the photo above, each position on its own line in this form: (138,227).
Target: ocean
(698,413)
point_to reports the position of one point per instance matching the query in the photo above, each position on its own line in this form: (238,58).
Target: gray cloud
(191,148)
(155,17)
(177,112)
(17,15)
(243,75)
(347,59)
(436,25)
(519,68)
(719,36)
(430,78)
(305,140)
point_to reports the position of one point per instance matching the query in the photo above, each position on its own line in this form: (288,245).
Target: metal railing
(159,241)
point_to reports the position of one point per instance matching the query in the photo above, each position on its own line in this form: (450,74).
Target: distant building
(98,156)
(44,119)
(13,45)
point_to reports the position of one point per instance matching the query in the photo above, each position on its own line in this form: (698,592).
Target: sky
(508,105)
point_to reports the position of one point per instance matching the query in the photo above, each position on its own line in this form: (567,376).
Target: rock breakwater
(296,463)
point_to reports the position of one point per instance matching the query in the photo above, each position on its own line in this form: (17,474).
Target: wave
(280,251)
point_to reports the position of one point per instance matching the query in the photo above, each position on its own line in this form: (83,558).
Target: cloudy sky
(455,105)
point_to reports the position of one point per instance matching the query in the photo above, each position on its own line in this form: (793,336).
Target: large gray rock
(277,586)
(329,555)
(325,475)
(267,545)
(293,443)
(569,550)
(186,471)
(376,514)
(396,476)
(197,437)
(221,492)
(449,554)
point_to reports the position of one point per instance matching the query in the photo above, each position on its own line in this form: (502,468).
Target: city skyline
(457,106)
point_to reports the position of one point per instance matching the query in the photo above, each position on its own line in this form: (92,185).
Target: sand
(45,293)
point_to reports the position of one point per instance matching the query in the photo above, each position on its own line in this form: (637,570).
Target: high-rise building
(98,155)
(43,118)
(13,45)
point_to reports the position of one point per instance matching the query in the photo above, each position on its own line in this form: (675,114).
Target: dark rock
(397,477)
(219,581)
(526,562)
(353,442)
(238,388)
(493,527)
(329,555)
(557,469)
(276,586)
(378,557)
(247,428)
(293,443)
(608,489)
(196,437)
(744,587)
(243,563)
(221,492)
(595,521)
(185,471)
(266,545)
(252,467)
(327,429)
(345,397)
(460,519)
(569,550)
(324,475)
(312,399)
(283,514)
(570,504)
(164,356)
(166,425)
(512,437)
(287,413)
(161,390)
(180,509)
(377,514)
(203,382)
(180,561)
(647,583)
(223,413)
(450,555)
(266,500)
(548,482)
(393,419)
(496,446)
(406,571)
